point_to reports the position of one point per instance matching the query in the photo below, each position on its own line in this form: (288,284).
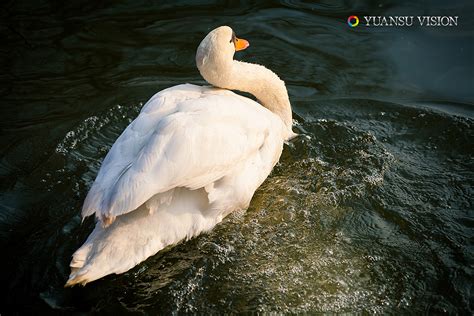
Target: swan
(193,155)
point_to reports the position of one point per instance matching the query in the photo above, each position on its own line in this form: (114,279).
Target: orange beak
(240,44)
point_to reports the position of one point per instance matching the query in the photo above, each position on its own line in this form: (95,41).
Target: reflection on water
(369,209)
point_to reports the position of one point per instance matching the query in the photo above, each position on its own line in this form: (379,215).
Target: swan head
(215,55)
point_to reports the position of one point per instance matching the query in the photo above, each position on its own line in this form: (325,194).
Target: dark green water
(370,210)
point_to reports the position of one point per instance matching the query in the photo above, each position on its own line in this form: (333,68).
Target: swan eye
(232,39)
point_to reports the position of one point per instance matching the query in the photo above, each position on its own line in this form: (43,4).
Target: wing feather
(184,137)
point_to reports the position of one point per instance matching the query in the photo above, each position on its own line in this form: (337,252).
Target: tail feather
(137,235)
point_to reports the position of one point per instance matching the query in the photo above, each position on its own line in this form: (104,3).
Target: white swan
(193,155)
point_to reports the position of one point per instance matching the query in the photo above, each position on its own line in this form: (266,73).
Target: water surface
(370,209)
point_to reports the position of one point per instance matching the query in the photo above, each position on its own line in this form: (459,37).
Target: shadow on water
(369,209)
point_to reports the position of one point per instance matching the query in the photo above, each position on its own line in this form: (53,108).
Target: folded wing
(185,136)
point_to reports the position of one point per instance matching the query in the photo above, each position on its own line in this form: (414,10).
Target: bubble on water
(90,129)
(78,135)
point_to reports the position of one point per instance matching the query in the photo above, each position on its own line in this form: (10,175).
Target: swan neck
(265,85)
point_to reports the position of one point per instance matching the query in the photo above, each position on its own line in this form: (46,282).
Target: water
(369,210)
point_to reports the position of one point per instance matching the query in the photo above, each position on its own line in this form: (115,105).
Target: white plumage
(193,155)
